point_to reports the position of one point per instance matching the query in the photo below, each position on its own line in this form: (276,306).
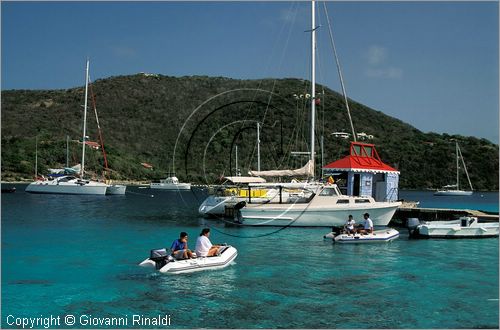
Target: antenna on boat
(340,72)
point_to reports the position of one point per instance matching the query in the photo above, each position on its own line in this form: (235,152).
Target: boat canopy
(289,185)
(307,171)
(244,179)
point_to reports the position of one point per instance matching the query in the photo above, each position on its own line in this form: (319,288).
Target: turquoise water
(78,255)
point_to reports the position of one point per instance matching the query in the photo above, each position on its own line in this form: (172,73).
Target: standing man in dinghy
(204,247)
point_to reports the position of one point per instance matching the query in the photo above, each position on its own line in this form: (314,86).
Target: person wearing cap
(368,225)
(179,247)
(349,225)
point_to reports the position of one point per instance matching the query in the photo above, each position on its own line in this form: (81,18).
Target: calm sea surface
(75,255)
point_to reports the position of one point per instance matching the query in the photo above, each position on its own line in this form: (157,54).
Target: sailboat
(69,184)
(454,189)
(325,205)
(113,189)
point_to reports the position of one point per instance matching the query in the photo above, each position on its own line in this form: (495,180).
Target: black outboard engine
(237,207)
(337,230)
(412,225)
(160,257)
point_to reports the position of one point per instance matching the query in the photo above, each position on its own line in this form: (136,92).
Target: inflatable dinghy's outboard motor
(336,230)
(412,225)
(238,206)
(160,257)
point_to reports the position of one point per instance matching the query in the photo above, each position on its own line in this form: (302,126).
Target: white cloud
(295,13)
(377,64)
(376,55)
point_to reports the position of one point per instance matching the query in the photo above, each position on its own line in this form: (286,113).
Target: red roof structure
(363,157)
(93,145)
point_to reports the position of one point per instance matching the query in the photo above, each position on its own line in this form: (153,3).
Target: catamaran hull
(116,189)
(66,189)
(171,186)
(307,217)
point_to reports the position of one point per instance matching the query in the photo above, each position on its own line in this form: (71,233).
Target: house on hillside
(340,135)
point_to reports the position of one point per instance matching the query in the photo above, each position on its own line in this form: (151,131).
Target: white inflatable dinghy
(165,263)
(378,236)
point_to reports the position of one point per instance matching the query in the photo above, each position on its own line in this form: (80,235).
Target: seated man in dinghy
(204,247)
(180,248)
(367,226)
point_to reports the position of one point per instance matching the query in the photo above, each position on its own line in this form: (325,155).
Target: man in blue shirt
(180,248)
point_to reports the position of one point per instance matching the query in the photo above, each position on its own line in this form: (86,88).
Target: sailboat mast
(465,168)
(258,146)
(456,151)
(313,81)
(236,170)
(85,118)
(36,157)
(67,150)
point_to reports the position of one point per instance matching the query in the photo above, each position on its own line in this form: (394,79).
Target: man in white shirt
(368,225)
(349,225)
(204,247)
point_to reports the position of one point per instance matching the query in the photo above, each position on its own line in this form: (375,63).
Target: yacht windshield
(328,191)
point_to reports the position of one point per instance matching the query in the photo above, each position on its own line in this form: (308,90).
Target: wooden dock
(435,214)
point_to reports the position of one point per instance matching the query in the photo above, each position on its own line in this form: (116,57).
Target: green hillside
(142,116)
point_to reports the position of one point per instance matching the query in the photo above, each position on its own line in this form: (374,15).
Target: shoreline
(146,183)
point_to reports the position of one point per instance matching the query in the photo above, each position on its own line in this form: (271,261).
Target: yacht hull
(303,216)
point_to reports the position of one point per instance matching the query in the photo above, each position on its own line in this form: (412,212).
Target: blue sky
(433,65)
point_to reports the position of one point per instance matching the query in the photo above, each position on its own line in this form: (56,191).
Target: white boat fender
(456,228)
(483,229)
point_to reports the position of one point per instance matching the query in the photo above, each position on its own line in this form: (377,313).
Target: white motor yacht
(464,227)
(326,207)
(170,183)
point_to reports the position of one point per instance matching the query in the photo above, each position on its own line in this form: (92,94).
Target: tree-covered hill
(193,125)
